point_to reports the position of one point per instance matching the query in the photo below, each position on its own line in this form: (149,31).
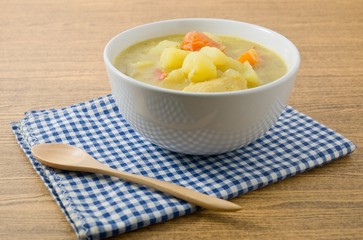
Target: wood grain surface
(51,56)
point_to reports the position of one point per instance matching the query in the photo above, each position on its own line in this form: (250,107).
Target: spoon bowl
(71,158)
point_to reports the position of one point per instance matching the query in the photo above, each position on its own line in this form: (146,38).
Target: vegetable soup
(201,62)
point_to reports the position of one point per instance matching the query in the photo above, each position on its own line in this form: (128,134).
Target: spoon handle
(191,196)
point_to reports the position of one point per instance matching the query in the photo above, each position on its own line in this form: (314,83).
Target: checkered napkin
(99,206)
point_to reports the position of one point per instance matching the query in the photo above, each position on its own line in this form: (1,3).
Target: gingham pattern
(99,206)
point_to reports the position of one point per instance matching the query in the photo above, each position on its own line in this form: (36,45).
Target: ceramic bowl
(201,123)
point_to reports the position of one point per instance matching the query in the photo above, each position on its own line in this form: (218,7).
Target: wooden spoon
(66,157)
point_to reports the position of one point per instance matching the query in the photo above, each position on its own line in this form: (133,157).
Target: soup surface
(201,62)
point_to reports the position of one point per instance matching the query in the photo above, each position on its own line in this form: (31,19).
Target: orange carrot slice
(250,56)
(194,41)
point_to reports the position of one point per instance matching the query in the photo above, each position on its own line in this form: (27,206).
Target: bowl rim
(288,75)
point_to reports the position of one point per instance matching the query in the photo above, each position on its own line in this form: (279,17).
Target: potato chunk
(233,64)
(199,67)
(237,76)
(159,48)
(176,80)
(218,57)
(250,75)
(246,71)
(224,84)
(172,58)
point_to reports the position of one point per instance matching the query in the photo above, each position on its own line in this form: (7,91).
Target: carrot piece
(194,41)
(250,56)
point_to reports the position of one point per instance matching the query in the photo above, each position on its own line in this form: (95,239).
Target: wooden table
(51,56)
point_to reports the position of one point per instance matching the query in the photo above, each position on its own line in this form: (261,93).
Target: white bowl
(201,123)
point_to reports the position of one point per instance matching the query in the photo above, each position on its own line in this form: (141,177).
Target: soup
(201,62)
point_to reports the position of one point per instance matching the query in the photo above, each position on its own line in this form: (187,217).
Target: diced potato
(176,80)
(219,58)
(199,67)
(231,73)
(233,64)
(235,75)
(190,61)
(172,58)
(250,75)
(159,48)
(246,71)
(224,84)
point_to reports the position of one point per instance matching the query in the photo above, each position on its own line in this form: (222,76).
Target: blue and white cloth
(99,206)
